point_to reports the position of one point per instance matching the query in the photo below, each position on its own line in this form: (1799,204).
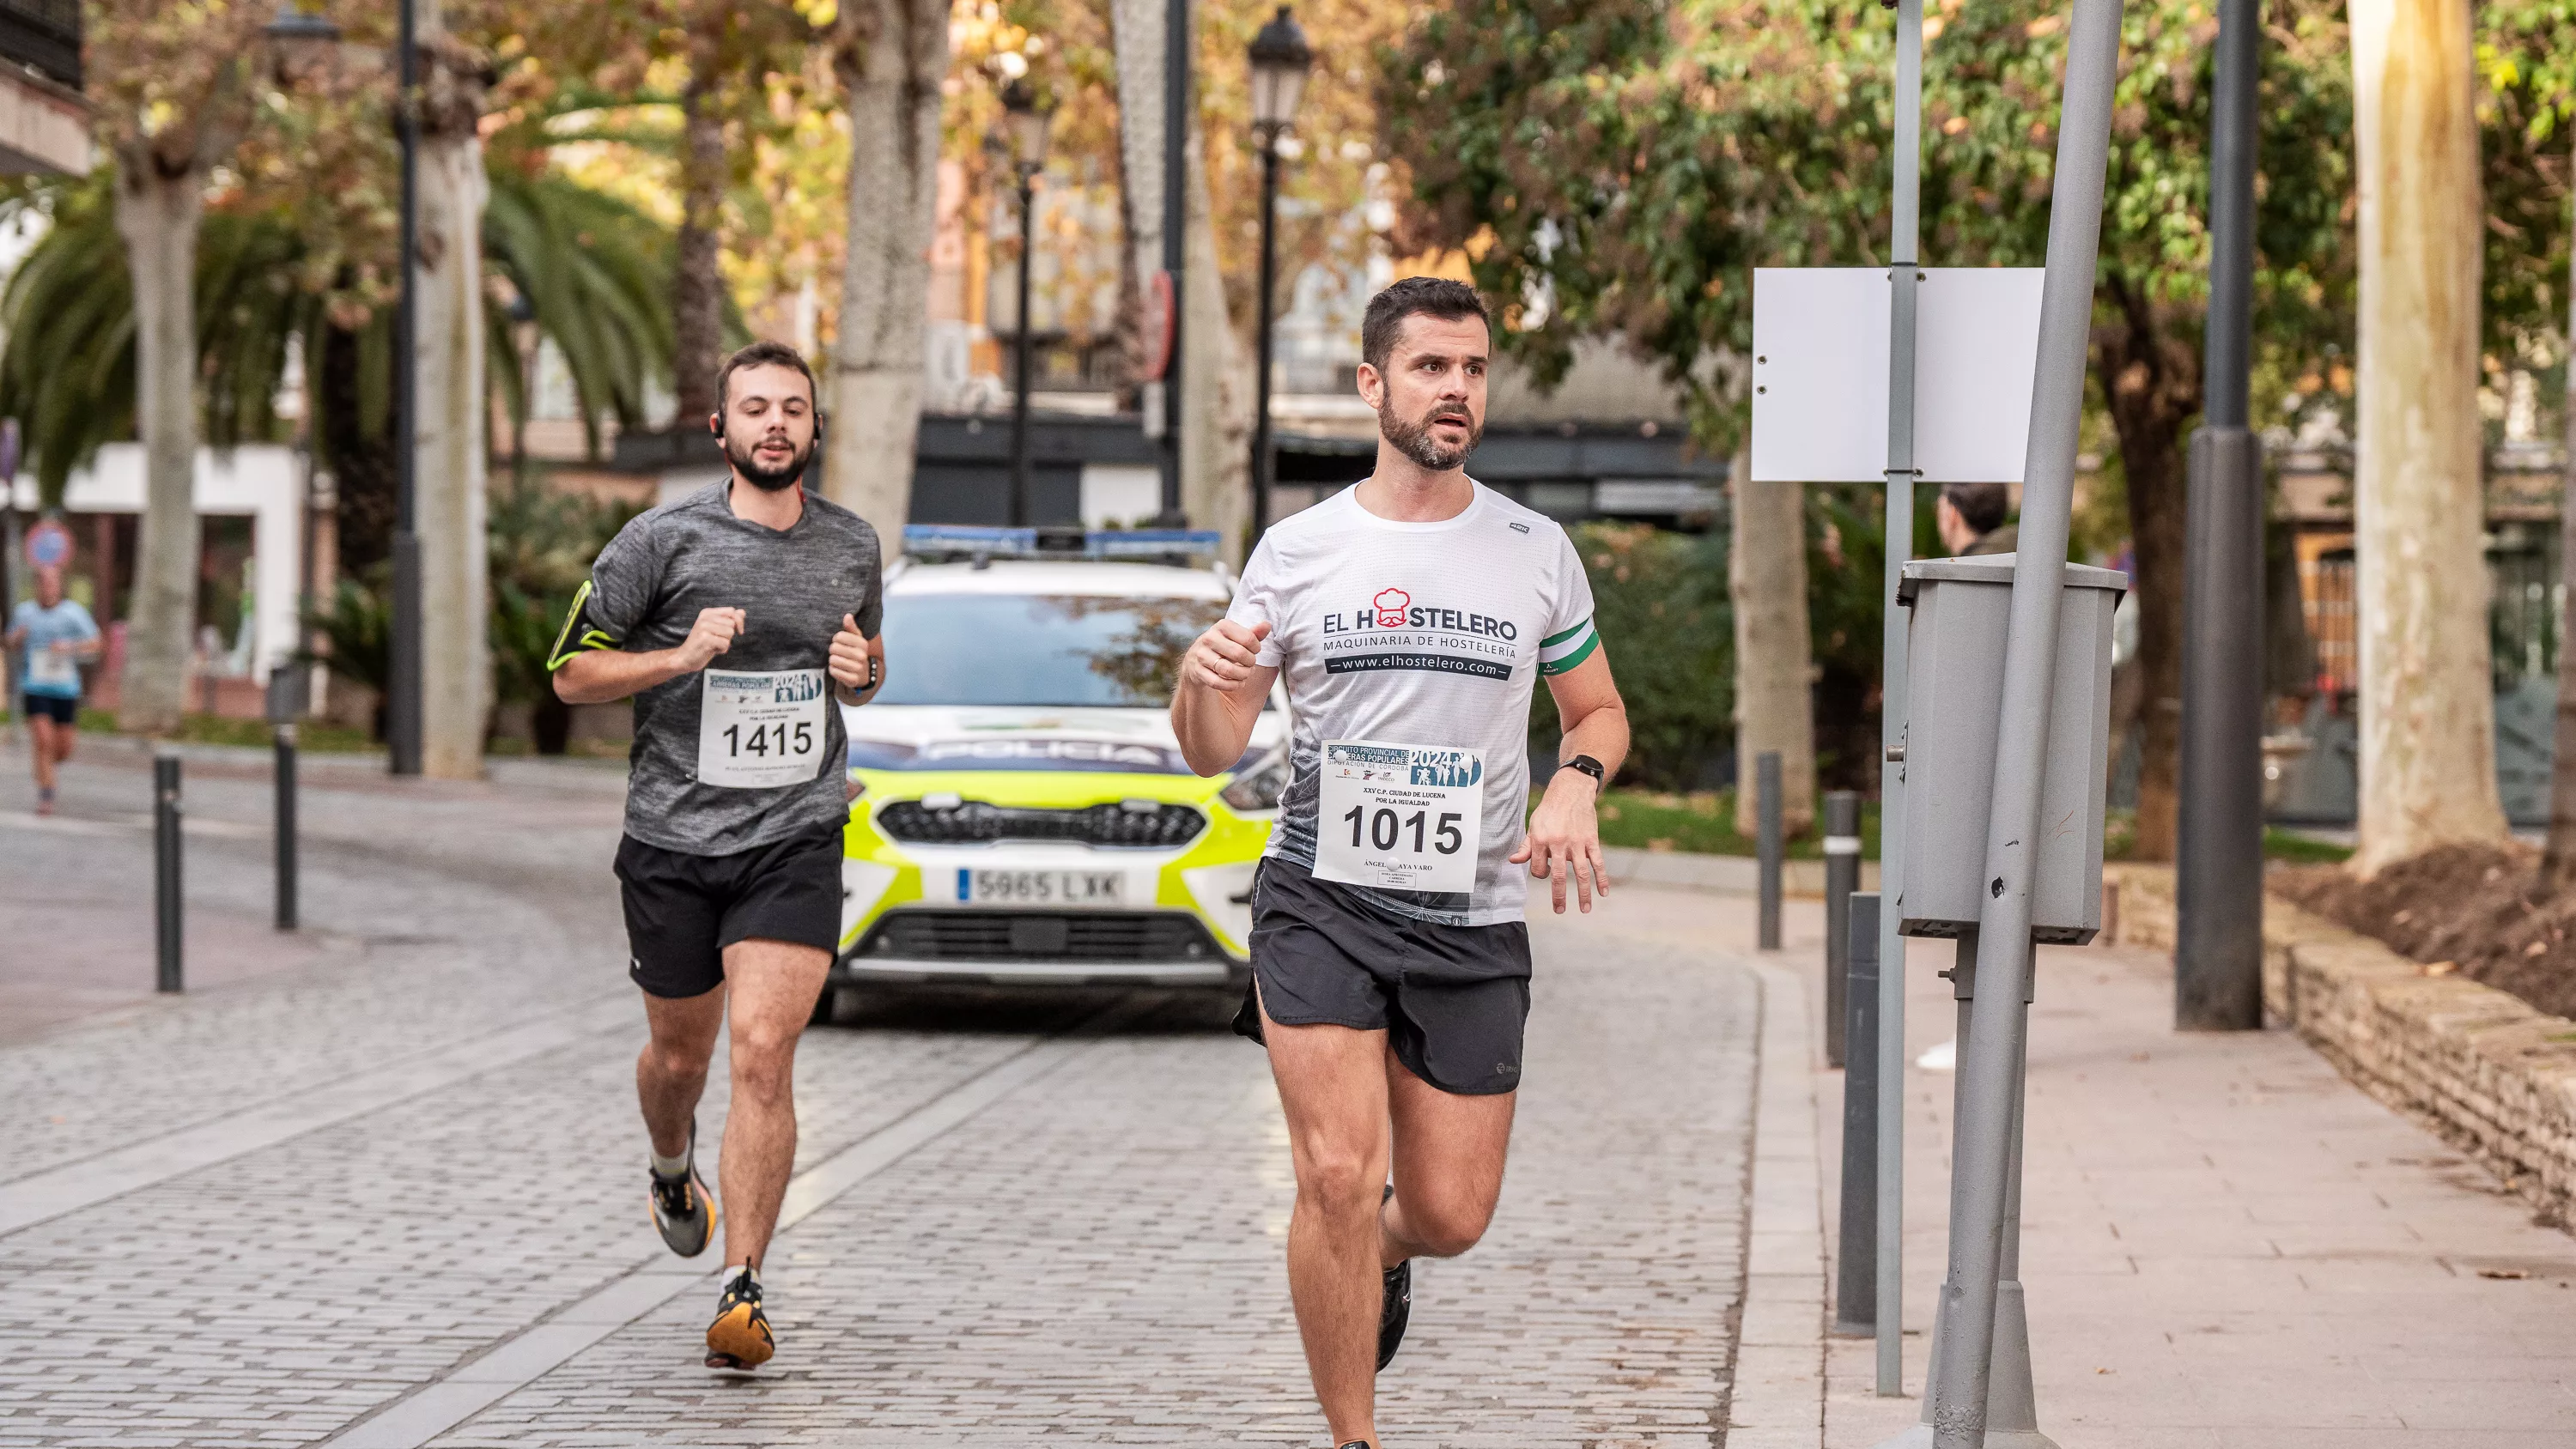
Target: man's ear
(1372,386)
(715,424)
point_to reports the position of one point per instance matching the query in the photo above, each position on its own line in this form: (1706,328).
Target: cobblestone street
(379,1183)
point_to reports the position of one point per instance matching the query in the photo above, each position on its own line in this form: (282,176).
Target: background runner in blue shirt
(51,636)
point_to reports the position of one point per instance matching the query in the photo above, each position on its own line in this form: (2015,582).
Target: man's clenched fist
(1224,656)
(712,635)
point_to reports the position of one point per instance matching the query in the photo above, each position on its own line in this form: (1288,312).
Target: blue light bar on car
(955,540)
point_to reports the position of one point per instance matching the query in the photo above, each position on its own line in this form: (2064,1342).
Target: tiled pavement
(303,1200)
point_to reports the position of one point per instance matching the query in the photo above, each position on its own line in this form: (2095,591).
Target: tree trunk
(1216,416)
(697,279)
(891,56)
(1766,574)
(2428,706)
(1136,30)
(157,215)
(449,448)
(2149,370)
(2558,860)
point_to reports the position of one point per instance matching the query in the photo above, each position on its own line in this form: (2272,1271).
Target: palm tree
(593,271)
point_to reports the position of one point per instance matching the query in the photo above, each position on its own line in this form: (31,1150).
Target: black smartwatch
(1589,766)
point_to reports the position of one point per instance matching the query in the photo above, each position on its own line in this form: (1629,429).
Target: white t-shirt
(1422,634)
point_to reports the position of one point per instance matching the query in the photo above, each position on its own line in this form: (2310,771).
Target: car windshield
(1049,651)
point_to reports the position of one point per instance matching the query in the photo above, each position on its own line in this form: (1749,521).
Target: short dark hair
(763,353)
(1981,506)
(1428,296)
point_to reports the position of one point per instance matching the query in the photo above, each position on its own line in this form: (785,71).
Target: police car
(1024,815)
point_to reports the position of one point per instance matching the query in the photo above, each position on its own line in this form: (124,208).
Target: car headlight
(1258,788)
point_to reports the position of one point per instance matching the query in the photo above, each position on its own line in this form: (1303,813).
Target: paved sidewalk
(2224,1243)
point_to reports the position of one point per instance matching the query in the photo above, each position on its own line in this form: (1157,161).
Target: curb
(1776,1399)
(2485,1070)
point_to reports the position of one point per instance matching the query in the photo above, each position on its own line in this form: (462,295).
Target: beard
(1413,438)
(745,458)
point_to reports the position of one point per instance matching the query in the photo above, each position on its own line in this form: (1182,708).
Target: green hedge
(1659,600)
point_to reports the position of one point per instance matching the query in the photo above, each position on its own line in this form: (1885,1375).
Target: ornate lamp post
(1026,120)
(1280,58)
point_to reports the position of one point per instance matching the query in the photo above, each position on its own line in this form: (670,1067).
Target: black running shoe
(1356,1444)
(1395,1306)
(683,1211)
(739,1338)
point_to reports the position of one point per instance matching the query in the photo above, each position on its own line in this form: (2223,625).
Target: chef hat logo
(1391,607)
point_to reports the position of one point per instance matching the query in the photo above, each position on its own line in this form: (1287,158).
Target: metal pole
(1177,65)
(166,900)
(1842,877)
(1262,461)
(285,827)
(403,702)
(1856,1278)
(1766,806)
(1020,354)
(2218,875)
(1904,240)
(1982,1149)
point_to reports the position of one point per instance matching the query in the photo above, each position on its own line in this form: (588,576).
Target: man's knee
(674,1063)
(1446,1225)
(1341,1179)
(764,1063)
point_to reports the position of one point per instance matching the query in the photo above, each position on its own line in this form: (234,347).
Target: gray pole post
(1177,65)
(1021,516)
(2218,875)
(1262,459)
(1856,1278)
(166,900)
(1904,240)
(1842,877)
(285,827)
(1988,1083)
(1767,844)
(403,701)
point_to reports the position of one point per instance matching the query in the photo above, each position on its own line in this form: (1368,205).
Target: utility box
(1954,687)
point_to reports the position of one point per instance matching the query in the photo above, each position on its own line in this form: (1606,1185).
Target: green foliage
(355,630)
(594,274)
(1659,600)
(542,542)
(1703,823)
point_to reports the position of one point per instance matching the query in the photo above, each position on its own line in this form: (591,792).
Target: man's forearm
(1211,737)
(1602,734)
(602,675)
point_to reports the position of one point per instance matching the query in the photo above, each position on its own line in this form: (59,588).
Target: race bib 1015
(757,730)
(1400,817)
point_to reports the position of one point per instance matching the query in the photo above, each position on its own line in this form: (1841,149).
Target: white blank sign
(1820,373)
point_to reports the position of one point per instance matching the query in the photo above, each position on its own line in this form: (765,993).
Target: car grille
(974,823)
(1103,936)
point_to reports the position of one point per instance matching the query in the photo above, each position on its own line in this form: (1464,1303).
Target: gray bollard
(1766,805)
(165,869)
(286,703)
(1842,877)
(1856,1262)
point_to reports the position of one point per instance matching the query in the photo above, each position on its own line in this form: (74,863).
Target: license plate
(1042,887)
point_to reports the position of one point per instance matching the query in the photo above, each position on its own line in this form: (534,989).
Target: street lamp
(1025,118)
(300,37)
(1280,57)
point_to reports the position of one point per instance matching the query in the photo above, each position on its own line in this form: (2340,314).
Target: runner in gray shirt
(735,618)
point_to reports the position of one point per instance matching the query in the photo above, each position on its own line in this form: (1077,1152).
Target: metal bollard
(1766,805)
(1842,877)
(285,827)
(1856,1264)
(165,868)
(286,703)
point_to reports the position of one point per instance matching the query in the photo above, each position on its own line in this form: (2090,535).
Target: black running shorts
(1452,1000)
(683,910)
(53,707)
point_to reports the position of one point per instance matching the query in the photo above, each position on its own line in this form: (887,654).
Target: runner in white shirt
(1411,615)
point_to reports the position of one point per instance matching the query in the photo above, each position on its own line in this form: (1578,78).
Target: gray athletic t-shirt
(646,591)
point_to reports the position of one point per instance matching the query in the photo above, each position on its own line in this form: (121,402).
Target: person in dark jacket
(1970,519)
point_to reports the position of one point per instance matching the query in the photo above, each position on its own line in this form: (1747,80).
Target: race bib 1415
(761,729)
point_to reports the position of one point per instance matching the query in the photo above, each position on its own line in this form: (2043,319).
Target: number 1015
(1385,828)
